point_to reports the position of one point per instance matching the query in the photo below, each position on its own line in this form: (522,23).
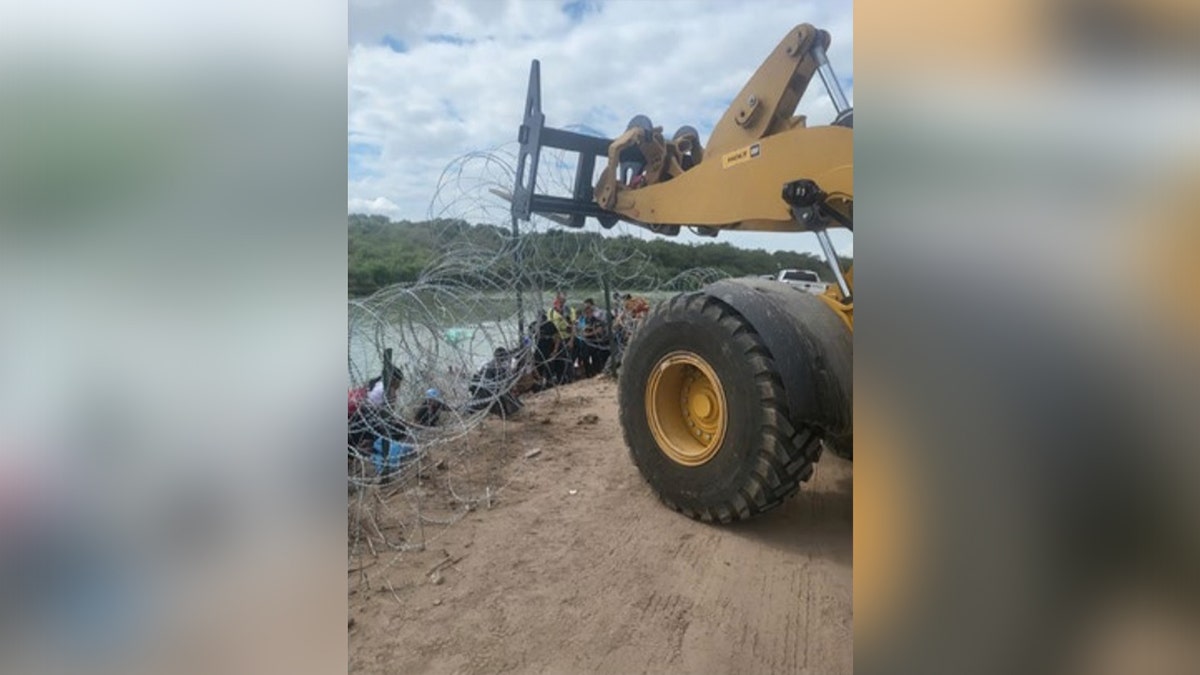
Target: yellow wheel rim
(685,406)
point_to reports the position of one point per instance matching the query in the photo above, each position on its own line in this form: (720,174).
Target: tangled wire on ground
(483,293)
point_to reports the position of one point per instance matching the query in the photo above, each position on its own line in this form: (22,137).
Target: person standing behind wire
(564,319)
(545,347)
(583,351)
(591,334)
(598,341)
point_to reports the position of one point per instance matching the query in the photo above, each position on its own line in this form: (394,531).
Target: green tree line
(384,252)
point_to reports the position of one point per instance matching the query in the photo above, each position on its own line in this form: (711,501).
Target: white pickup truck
(805,280)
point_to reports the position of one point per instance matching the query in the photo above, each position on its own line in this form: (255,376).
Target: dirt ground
(578,568)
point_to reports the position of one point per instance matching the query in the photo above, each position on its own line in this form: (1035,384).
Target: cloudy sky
(432,80)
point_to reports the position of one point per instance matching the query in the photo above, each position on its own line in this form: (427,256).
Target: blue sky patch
(358,154)
(588,130)
(451,111)
(577,9)
(395,44)
(447,39)
(603,116)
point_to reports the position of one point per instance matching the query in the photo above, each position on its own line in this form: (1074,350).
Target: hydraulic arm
(736,181)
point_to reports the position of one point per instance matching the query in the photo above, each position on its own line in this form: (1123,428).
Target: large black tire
(762,459)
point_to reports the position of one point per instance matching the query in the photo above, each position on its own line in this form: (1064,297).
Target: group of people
(570,342)
(576,343)
(379,434)
(565,344)
(376,432)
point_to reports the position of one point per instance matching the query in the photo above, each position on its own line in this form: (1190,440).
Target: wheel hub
(686,408)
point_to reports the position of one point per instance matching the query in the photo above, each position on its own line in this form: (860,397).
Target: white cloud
(412,113)
(379,205)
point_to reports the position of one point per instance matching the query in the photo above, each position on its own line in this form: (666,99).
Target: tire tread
(786,456)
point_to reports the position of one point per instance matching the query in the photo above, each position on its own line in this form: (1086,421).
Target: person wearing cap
(430,411)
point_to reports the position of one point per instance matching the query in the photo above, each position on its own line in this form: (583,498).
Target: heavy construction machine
(728,395)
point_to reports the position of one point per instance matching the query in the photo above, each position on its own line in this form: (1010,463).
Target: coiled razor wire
(483,292)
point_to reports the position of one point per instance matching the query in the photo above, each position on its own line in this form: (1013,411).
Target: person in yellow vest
(564,318)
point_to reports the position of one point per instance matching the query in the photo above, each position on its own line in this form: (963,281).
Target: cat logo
(738,156)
